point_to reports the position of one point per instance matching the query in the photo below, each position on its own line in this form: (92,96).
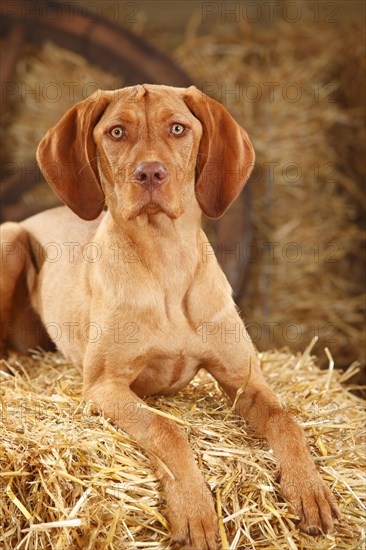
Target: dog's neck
(156,236)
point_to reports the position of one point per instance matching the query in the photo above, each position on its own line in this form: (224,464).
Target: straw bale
(306,261)
(69,479)
(49,80)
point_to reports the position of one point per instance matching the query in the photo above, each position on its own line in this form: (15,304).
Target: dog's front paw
(310,499)
(192,516)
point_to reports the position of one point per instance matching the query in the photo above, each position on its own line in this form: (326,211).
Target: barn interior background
(293,74)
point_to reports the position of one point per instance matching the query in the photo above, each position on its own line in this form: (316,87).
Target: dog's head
(146,149)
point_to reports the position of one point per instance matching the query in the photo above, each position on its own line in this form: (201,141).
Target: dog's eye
(117,132)
(177,129)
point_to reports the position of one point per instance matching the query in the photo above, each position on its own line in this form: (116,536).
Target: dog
(136,294)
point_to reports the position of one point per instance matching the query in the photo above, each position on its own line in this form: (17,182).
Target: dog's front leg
(238,373)
(190,508)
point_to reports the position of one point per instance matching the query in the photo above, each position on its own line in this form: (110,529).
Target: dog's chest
(163,343)
(165,375)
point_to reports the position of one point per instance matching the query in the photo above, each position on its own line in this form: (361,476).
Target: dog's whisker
(110,195)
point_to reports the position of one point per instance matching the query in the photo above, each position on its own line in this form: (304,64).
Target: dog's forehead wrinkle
(130,94)
(148,109)
(145,115)
(161,96)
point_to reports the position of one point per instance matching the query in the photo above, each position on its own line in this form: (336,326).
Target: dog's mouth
(151,208)
(153,203)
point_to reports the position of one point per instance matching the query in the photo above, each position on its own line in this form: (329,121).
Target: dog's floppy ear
(67,157)
(225,157)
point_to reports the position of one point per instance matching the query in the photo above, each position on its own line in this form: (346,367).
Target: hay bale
(69,479)
(289,89)
(49,80)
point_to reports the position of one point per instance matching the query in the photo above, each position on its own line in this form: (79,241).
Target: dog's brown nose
(150,174)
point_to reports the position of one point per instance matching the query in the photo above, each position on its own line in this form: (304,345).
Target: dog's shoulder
(60,225)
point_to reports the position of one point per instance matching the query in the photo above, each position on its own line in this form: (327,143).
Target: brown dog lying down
(135,296)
